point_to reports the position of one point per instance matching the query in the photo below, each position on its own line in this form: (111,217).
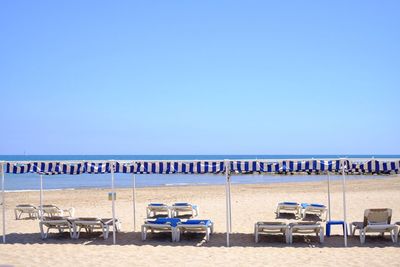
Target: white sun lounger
(154,210)
(288,207)
(375,221)
(305,228)
(55,222)
(196,226)
(161,225)
(32,211)
(267,228)
(316,209)
(178,208)
(93,223)
(53,210)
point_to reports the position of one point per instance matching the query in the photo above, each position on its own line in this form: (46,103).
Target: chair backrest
(377,216)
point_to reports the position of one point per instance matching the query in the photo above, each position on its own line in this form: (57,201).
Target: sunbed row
(176,227)
(178,209)
(159,220)
(34,212)
(374,221)
(75,225)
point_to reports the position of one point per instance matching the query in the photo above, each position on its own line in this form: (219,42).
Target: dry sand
(250,203)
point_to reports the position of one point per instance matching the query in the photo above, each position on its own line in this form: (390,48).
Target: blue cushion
(205,222)
(181,204)
(156,204)
(318,205)
(304,205)
(289,203)
(172,221)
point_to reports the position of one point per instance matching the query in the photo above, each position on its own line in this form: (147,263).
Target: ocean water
(31,181)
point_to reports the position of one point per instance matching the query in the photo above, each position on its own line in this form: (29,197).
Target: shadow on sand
(217,240)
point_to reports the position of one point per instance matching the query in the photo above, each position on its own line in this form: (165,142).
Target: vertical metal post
(344,204)
(3,202)
(230,203)
(41,197)
(329,196)
(134,201)
(227,202)
(113,200)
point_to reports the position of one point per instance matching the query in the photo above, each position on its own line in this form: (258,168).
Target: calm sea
(31,181)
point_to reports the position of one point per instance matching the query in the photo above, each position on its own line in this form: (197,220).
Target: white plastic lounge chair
(155,210)
(266,228)
(32,211)
(161,225)
(305,228)
(288,207)
(375,221)
(53,210)
(55,222)
(194,226)
(181,210)
(93,223)
(317,209)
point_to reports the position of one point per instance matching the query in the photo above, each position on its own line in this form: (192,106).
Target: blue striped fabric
(315,166)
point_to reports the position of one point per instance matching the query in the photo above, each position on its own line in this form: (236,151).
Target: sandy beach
(250,203)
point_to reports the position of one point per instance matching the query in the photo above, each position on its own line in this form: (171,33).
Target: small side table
(329,223)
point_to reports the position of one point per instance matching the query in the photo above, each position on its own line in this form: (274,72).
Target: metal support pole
(329,196)
(134,202)
(230,204)
(113,200)
(3,202)
(344,204)
(41,197)
(227,203)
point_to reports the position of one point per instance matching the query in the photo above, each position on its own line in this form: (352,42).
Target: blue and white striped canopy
(314,166)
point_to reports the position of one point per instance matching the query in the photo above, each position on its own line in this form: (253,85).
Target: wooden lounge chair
(93,223)
(196,226)
(316,209)
(161,225)
(155,210)
(266,228)
(55,222)
(184,210)
(32,211)
(288,207)
(53,210)
(375,221)
(305,228)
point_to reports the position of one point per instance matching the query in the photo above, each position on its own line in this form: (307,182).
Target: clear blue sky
(200,77)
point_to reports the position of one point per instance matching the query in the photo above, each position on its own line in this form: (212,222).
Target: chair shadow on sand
(197,239)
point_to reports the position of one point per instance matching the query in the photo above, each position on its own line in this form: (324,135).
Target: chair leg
(144,233)
(362,236)
(208,234)
(177,235)
(41,231)
(256,233)
(321,235)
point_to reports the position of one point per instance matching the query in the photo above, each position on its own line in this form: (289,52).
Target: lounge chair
(161,225)
(265,228)
(155,210)
(55,222)
(305,228)
(288,206)
(196,226)
(53,210)
(375,221)
(32,211)
(182,209)
(93,223)
(317,209)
